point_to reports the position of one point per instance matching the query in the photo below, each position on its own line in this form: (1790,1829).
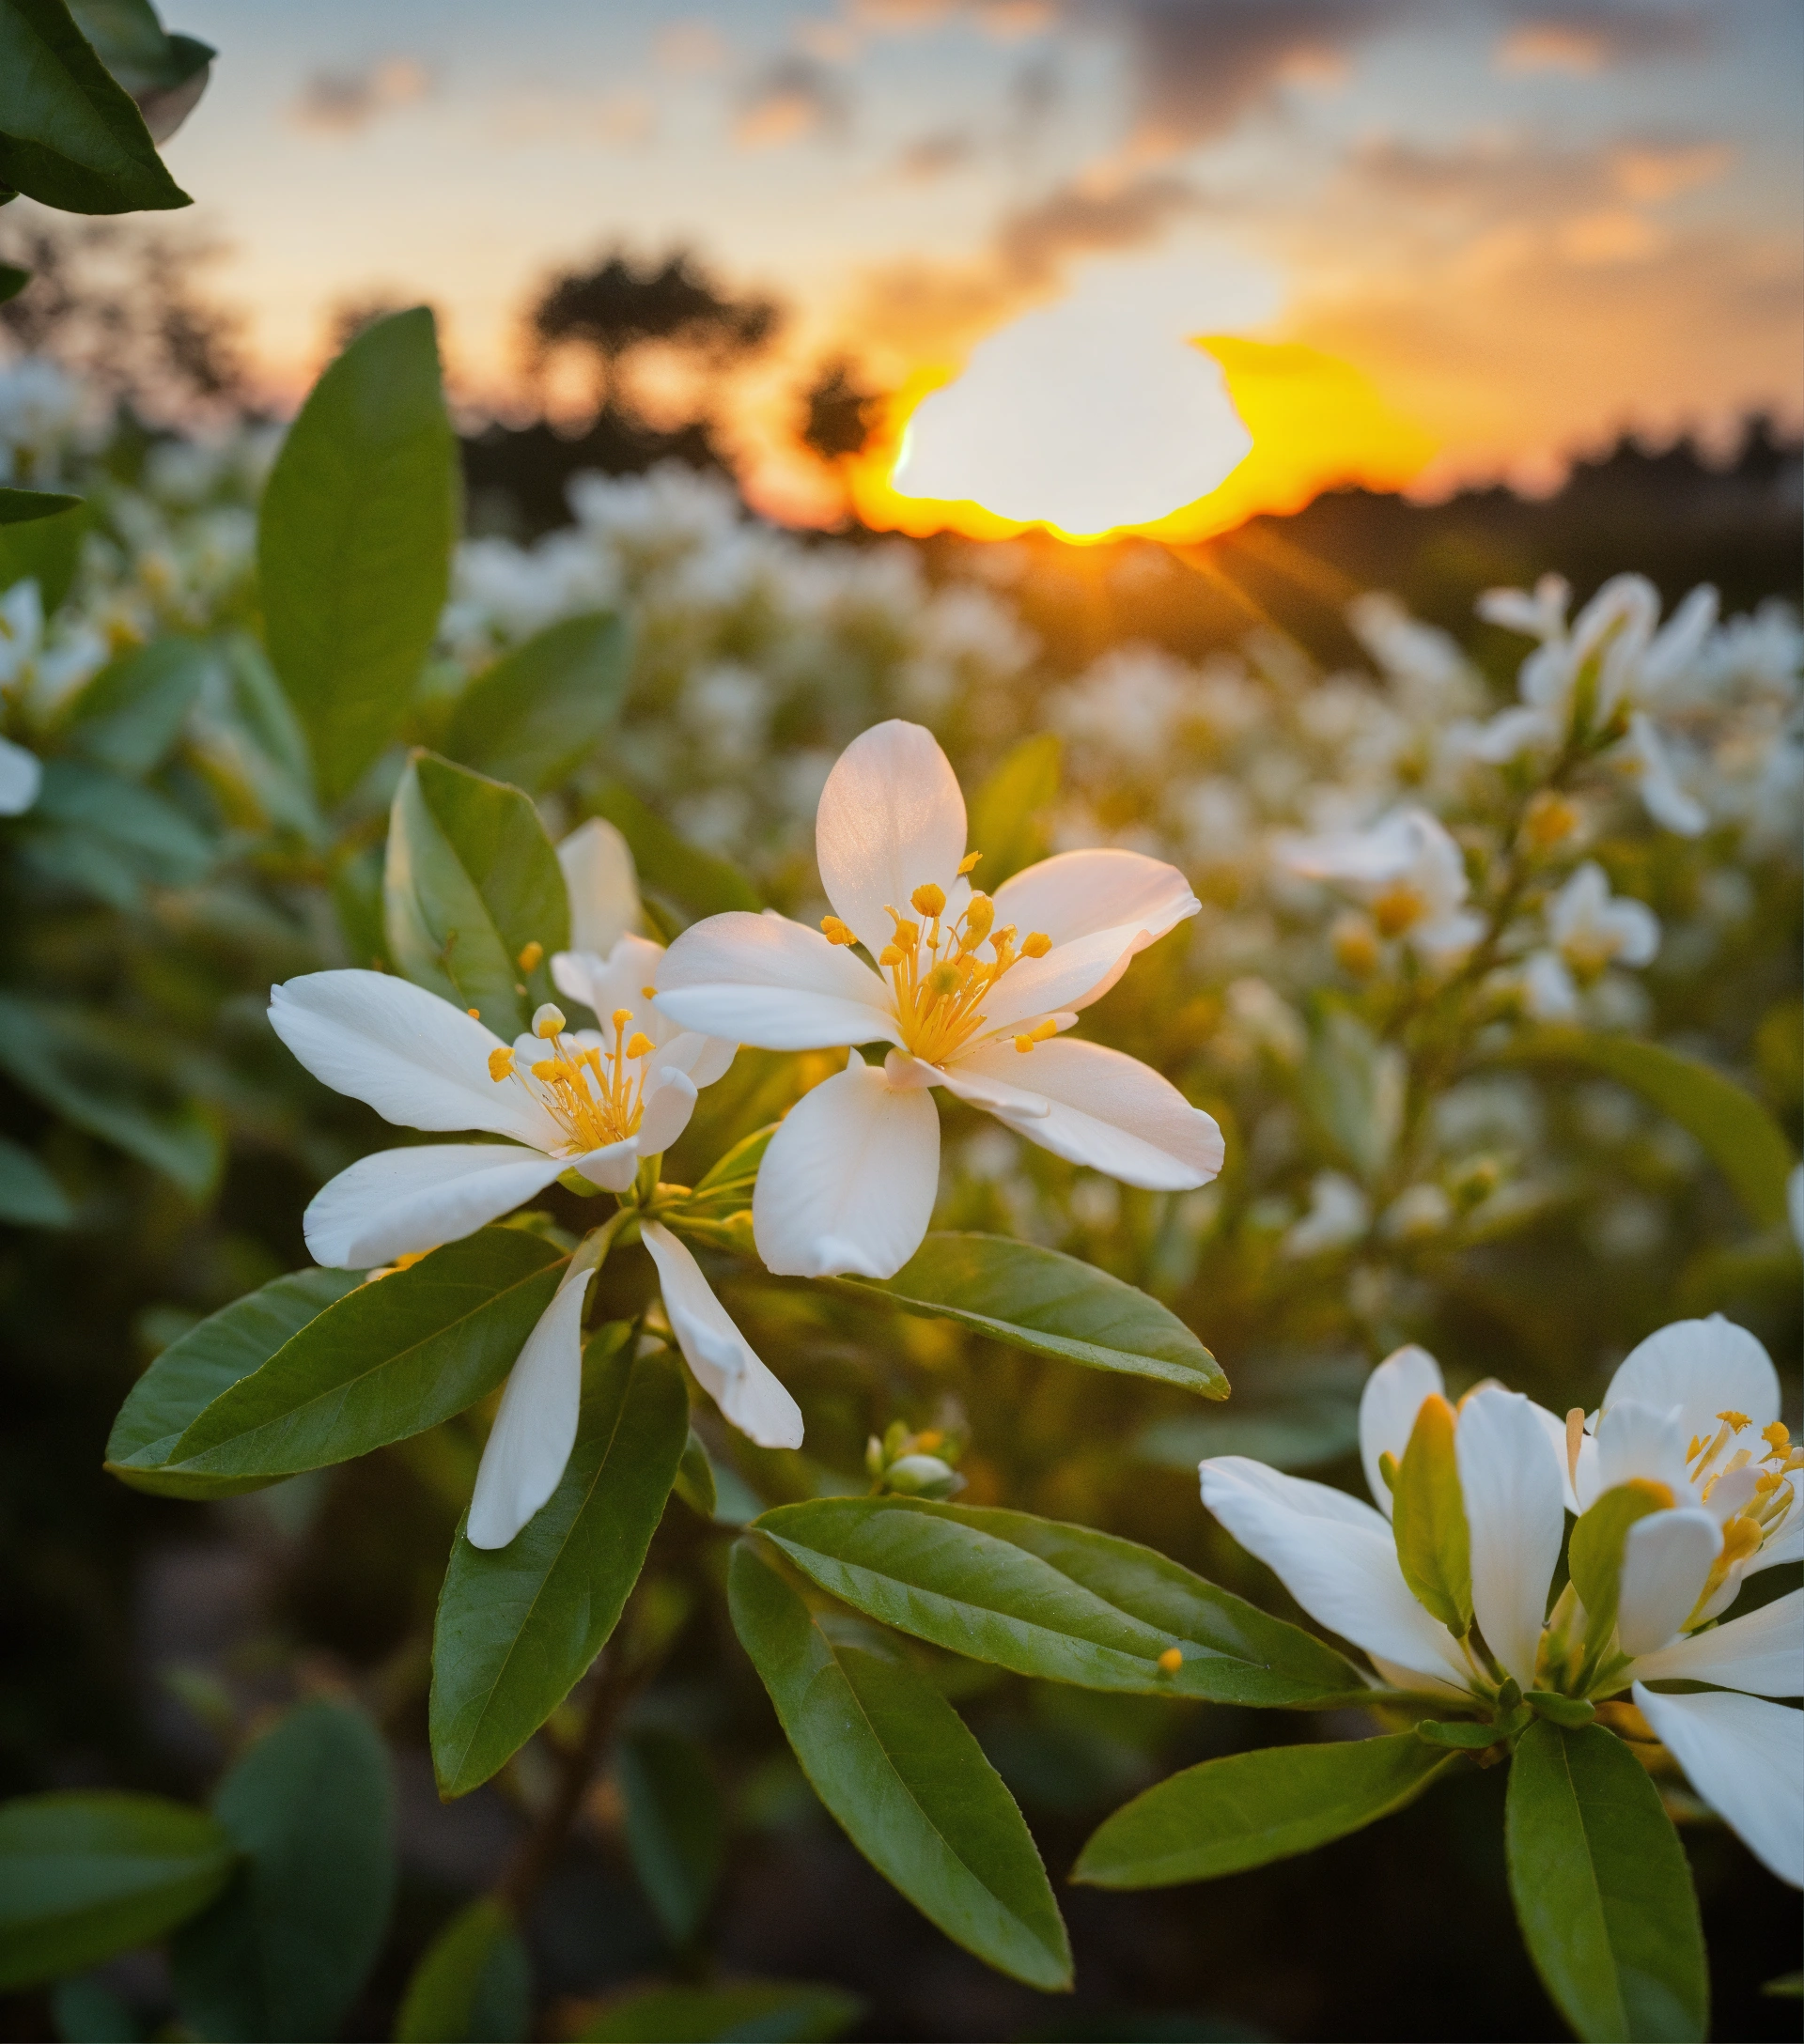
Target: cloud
(1034,243)
(932,156)
(342,103)
(791,98)
(1650,171)
(1583,40)
(689,46)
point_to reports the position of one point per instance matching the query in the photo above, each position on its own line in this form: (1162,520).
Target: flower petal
(1761,1651)
(1746,1759)
(849,1182)
(891,818)
(400,1203)
(726,1366)
(1578,1483)
(1069,976)
(1388,1407)
(1509,1477)
(1703,1366)
(21,776)
(670,1100)
(1094,1106)
(1638,1439)
(414,1058)
(614,1167)
(1336,1556)
(1665,1558)
(1076,893)
(522,1460)
(766,980)
(602,886)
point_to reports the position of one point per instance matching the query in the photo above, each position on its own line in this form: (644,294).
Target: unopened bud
(923,1475)
(548,1021)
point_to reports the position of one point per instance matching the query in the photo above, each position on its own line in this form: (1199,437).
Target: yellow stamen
(501,1063)
(640,1045)
(650,992)
(927,899)
(1574,1434)
(474,1014)
(1776,1437)
(967,863)
(530,955)
(891,955)
(1736,1420)
(1170,1661)
(978,918)
(1035,944)
(1039,1033)
(1397,907)
(836,932)
(548,1022)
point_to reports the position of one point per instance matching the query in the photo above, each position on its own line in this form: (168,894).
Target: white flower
(39,671)
(1338,1215)
(1407,868)
(968,1002)
(1591,929)
(21,776)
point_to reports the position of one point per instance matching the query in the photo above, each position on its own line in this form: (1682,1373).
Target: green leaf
(694,1481)
(47,546)
(354,543)
(1040,1299)
(894,1763)
(387,1360)
(473,1986)
(1601,1887)
(86,1874)
(1006,811)
(746,2012)
(676,1826)
(131,42)
(132,713)
(538,712)
(719,1211)
(471,880)
(70,136)
(287,1949)
(1249,1808)
(1433,1548)
(29,1196)
(693,881)
(251,744)
(1737,1133)
(1057,1601)
(112,837)
(13,280)
(1289,1432)
(518,1625)
(26,506)
(1353,1087)
(1594,1554)
(206,1362)
(87,2011)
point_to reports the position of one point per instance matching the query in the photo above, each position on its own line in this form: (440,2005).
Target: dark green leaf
(387,1360)
(1251,1807)
(1602,1889)
(676,1826)
(251,742)
(1038,1299)
(693,881)
(132,43)
(132,712)
(474,1984)
(694,1481)
(539,711)
(1007,811)
(894,1763)
(84,1876)
(206,1362)
(112,836)
(70,136)
(746,2012)
(47,547)
(26,506)
(518,1625)
(285,1949)
(471,880)
(719,1211)
(29,1196)
(354,543)
(13,280)
(1057,1601)
(87,2011)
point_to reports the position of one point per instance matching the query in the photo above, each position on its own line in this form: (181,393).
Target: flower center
(938,973)
(1710,1460)
(1399,908)
(596,1096)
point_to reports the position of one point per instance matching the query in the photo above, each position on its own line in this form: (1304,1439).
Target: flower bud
(548,1021)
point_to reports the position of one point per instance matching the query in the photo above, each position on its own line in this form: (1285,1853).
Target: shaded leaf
(541,709)
(693,881)
(1353,1087)
(1433,1548)
(29,1196)
(1006,813)
(473,1986)
(675,1825)
(744,2012)
(694,1481)
(46,547)
(132,713)
(111,837)
(24,506)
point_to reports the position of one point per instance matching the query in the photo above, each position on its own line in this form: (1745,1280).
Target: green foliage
(130,715)
(1602,1890)
(675,1825)
(111,837)
(354,543)
(1353,1086)
(687,883)
(518,1625)
(1006,813)
(29,1196)
(473,1984)
(892,1762)
(1226,1814)
(1433,1548)
(87,1875)
(746,2012)
(543,708)
(43,543)
(1057,1601)
(1595,1553)
(28,507)
(285,1950)
(471,881)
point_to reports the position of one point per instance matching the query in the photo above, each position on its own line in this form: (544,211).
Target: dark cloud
(793,97)
(343,102)
(1587,37)
(1033,244)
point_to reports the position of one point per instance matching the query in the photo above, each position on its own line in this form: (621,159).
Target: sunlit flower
(971,992)
(1409,872)
(1590,929)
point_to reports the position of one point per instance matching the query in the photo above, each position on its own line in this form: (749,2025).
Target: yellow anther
(1040,1034)
(548,1021)
(930,900)
(890,956)
(966,862)
(548,1069)
(942,980)
(530,955)
(1170,1661)
(1767,1481)
(1696,1449)
(1549,819)
(501,1063)
(927,1443)
(650,992)
(1035,944)
(1777,1436)
(1355,944)
(474,1014)
(620,1017)
(1740,1536)
(908,934)
(978,918)
(1736,1420)
(640,1045)
(836,932)
(1397,907)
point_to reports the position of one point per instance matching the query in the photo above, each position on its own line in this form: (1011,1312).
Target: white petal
(20,777)
(601,884)
(1555,1430)
(766,980)
(523,1459)
(849,1181)
(1388,1407)
(703,1058)
(414,1058)
(1785,1542)
(670,1100)
(1703,1366)
(1336,1556)
(891,818)
(1094,1106)
(1746,1759)
(726,1366)
(1763,1651)
(402,1201)
(1069,976)
(613,1168)
(1509,1477)
(1077,893)
(1639,1439)
(1665,1558)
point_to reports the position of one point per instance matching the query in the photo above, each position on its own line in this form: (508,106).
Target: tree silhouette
(837,411)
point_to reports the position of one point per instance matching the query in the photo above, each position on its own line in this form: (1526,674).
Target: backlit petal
(1509,1477)
(1637,1439)
(602,886)
(891,818)
(1703,1366)
(849,1182)
(1388,1407)
(726,1366)
(1555,1430)
(1665,1558)
(766,980)
(614,1167)
(400,1203)
(670,1100)
(1076,893)
(1746,1759)
(1761,1651)
(1068,977)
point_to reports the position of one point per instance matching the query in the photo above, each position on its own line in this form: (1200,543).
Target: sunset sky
(1528,225)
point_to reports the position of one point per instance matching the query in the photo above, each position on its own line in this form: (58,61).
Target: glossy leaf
(29,1196)
(1057,1601)
(693,881)
(675,1825)
(540,710)
(287,1949)
(354,543)
(1250,1808)
(131,714)
(473,1985)
(894,1763)
(471,880)
(387,1360)
(87,1875)
(742,2012)
(1602,1889)
(1007,810)
(1040,1299)
(518,1625)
